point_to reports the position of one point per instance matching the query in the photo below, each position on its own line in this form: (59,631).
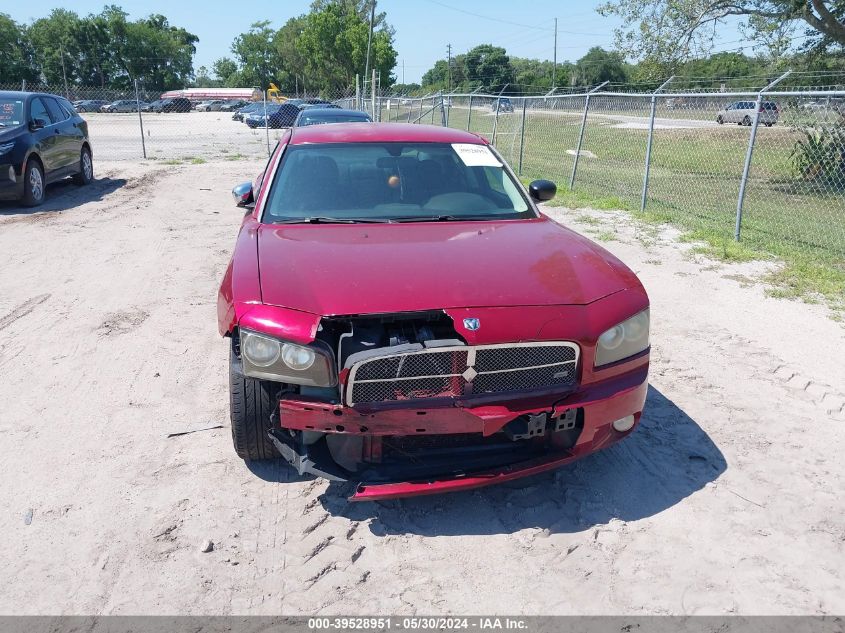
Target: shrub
(819,157)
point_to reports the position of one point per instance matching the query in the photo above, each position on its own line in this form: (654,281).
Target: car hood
(341,269)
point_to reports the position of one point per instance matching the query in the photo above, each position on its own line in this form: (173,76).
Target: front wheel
(251,403)
(746,121)
(86,168)
(719,119)
(33,184)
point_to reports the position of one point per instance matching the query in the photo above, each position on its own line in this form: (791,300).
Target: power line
(512,23)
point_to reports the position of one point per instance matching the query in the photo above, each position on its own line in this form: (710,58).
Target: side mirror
(37,124)
(243,194)
(542,190)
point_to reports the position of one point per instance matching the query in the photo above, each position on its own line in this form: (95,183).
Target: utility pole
(370,42)
(449,68)
(554,58)
(64,73)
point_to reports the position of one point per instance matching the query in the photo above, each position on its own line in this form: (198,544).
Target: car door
(45,138)
(69,143)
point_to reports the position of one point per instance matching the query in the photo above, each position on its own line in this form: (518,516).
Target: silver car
(122,105)
(742,113)
(210,106)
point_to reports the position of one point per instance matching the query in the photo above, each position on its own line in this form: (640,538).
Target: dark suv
(175,104)
(42,139)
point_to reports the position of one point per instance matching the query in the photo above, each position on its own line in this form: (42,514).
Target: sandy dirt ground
(728,499)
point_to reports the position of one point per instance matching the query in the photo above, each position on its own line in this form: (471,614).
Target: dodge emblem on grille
(472,324)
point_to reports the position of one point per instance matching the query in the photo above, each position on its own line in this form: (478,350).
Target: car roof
(17,94)
(381,133)
(333,112)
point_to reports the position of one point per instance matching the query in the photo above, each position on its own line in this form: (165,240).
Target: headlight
(621,341)
(6,148)
(298,357)
(261,351)
(268,358)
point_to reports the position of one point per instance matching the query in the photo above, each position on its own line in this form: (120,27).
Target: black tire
(86,168)
(33,184)
(746,121)
(251,403)
(719,120)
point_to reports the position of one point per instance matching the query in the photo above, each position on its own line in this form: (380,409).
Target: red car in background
(403,316)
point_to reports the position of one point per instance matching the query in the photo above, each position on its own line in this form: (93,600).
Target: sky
(423,27)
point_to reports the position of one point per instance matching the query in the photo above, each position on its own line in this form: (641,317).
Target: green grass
(198,161)
(172,161)
(694,185)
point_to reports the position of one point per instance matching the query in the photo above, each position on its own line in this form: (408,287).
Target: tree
(96,66)
(670,31)
(285,41)
(534,75)
(406,89)
(57,46)
(332,48)
(226,71)
(599,65)
(17,58)
(489,66)
(257,56)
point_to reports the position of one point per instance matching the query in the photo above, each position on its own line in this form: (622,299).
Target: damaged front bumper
(402,451)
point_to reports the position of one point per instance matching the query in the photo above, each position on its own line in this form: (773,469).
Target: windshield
(11,112)
(316,119)
(393,181)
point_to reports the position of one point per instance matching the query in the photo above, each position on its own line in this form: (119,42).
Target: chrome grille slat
(450,372)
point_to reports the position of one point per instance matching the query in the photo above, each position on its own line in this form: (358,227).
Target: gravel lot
(728,499)
(176,136)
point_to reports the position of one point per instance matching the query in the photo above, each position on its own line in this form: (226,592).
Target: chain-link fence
(766,168)
(180,126)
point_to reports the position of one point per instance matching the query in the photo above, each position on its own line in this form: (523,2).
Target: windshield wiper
(442,218)
(325,220)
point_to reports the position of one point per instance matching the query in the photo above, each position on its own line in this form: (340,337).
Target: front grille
(455,371)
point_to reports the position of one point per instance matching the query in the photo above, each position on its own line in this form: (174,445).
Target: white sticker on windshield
(476,155)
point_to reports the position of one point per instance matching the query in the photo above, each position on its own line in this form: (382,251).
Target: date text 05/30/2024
(415,624)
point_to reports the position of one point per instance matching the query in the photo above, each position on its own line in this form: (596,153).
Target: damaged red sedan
(403,316)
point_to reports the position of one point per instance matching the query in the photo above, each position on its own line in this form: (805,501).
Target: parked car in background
(89,105)
(256,118)
(152,105)
(285,115)
(310,106)
(231,106)
(503,104)
(42,139)
(211,106)
(122,105)
(477,342)
(241,113)
(742,113)
(318,115)
(174,104)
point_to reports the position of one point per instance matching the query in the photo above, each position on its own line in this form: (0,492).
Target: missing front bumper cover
(532,425)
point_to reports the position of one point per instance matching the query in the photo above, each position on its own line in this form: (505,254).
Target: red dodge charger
(403,316)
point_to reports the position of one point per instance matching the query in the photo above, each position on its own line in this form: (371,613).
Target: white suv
(742,113)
